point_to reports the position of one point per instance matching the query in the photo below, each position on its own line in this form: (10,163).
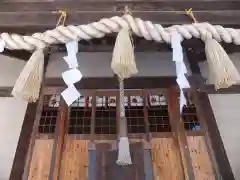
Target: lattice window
(135,115)
(189,115)
(105,119)
(158,114)
(80,116)
(49,114)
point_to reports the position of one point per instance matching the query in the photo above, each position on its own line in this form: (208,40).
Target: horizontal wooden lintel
(113,5)
(28,22)
(108,83)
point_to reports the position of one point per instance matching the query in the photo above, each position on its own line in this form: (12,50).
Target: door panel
(74,163)
(109,170)
(201,163)
(166,160)
(41,159)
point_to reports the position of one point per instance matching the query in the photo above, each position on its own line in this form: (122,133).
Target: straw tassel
(224,73)
(123,60)
(28,84)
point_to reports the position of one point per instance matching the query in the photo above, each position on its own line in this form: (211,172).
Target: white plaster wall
(10,69)
(226,108)
(98,64)
(12,113)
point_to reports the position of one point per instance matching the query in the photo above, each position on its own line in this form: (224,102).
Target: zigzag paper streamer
(181,69)
(73,75)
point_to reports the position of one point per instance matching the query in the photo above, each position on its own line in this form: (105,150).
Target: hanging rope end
(124,157)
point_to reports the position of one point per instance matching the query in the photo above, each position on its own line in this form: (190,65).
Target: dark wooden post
(145,112)
(59,142)
(179,132)
(23,142)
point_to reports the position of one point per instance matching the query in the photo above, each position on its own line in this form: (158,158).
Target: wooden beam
(47,20)
(112,5)
(18,54)
(112,82)
(140,83)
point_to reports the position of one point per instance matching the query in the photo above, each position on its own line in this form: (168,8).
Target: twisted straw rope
(146,29)
(122,100)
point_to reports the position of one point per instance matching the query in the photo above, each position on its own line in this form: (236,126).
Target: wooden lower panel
(74,163)
(200,158)
(41,159)
(166,160)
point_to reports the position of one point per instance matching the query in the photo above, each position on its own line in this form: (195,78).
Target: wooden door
(39,159)
(178,151)
(182,153)
(107,169)
(165,150)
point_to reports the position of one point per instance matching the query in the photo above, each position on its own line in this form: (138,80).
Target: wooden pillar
(26,140)
(23,142)
(179,132)
(148,168)
(145,112)
(92,164)
(59,138)
(94,101)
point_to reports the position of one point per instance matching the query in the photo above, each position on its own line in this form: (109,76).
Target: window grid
(190,119)
(189,115)
(49,114)
(158,116)
(80,116)
(135,115)
(105,119)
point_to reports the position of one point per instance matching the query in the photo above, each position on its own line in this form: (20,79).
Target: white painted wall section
(12,113)
(226,108)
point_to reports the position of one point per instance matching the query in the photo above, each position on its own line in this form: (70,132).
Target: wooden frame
(50,90)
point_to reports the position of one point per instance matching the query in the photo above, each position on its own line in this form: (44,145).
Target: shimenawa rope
(146,29)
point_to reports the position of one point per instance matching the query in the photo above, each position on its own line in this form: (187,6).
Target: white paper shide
(181,69)
(73,75)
